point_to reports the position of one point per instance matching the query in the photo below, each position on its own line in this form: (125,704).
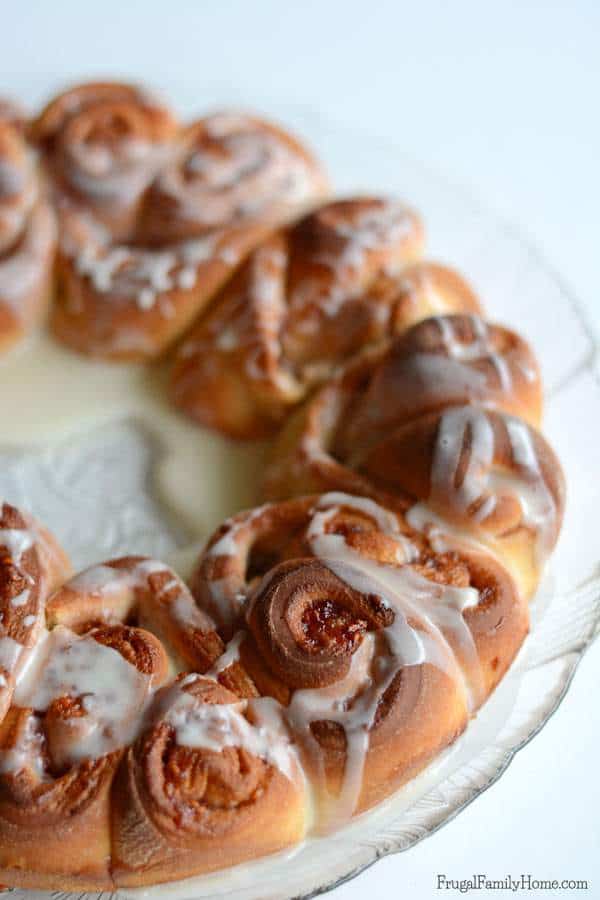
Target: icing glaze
(256,726)
(476,494)
(112,691)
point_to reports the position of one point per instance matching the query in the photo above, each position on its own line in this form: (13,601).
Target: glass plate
(69,489)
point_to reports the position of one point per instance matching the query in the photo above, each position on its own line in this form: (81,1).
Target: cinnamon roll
(213,781)
(155,218)
(60,744)
(308,298)
(141,591)
(31,564)
(393,425)
(102,144)
(229,170)
(377,646)
(27,240)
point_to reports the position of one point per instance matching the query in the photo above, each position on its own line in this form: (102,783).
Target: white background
(501,96)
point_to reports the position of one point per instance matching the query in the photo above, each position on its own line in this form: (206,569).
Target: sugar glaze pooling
(46,397)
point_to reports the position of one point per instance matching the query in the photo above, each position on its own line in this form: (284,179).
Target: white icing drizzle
(113,175)
(143,275)
(353,701)
(227,544)
(216,726)
(230,655)
(27,753)
(328,506)
(344,703)
(453,427)
(375,228)
(14,655)
(380,230)
(17,541)
(477,494)
(112,692)
(106,581)
(480,347)
(20,599)
(468,350)
(10,654)
(422,518)
(253,175)
(537,503)
(386,521)
(98,579)
(502,369)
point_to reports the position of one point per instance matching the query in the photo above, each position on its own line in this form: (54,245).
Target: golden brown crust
(309,298)
(132,302)
(442,361)
(47,127)
(229,168)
